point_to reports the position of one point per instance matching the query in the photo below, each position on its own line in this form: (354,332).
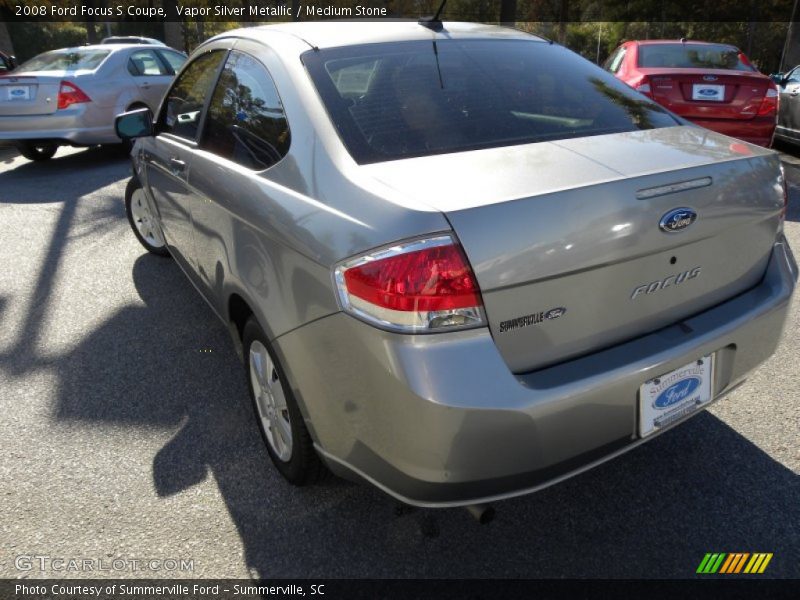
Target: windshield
(397,100)
(692,56)
(73,59)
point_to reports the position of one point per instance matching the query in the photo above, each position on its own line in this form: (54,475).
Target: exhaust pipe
(483,513)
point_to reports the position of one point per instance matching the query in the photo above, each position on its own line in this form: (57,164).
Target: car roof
(131,39)
(696,42)
(113,47)
(331,34)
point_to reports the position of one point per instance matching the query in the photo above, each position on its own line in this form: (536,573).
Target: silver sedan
(71,96)
(459,262)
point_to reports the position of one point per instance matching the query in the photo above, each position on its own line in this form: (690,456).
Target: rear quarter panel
(273,237)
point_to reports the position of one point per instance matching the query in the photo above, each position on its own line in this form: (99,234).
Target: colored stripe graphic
(734,562)
(727,564)
(758,563)
(717,564)
(766,562)
(711,562)
(703,563)
(740,564)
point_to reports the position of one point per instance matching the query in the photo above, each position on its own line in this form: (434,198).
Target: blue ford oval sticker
(677,392)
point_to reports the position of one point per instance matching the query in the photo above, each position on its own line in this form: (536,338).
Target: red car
(713,85)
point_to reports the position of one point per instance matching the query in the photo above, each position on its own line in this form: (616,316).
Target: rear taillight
(69,94)
(769,105)
(419,286)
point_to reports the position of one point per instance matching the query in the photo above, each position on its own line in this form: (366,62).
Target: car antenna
(434,23)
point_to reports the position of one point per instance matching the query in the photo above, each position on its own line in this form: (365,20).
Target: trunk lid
(29,93)
(708,94)
(562,234)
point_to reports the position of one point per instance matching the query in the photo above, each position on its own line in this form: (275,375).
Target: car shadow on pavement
(57,183)
(56,179)
(654,512)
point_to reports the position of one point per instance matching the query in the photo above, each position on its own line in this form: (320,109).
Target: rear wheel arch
(238,312)
(275,404)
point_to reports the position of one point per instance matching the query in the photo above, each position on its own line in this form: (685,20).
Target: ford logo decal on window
(677,392)
(677,219)
(708,92)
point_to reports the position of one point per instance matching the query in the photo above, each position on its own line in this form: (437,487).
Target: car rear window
(66,60)
(403,99)
(692,56)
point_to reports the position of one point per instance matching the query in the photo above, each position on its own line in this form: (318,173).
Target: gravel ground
(126,433)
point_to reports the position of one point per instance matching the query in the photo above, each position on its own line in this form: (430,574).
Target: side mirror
(134,124)
(778,78)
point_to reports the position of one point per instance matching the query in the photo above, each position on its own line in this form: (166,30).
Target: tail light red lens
(769,105)
(424,285)
(69,94)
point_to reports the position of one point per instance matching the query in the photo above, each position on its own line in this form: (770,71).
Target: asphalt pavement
(126,434)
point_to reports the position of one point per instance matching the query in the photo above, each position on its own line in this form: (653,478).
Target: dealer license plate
(18,92)
(707,92)
(670,397)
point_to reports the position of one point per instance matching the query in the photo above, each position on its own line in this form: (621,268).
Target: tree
(5,40)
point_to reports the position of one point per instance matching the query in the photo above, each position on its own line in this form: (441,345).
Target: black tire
(130,198)
(303,466)
(37,152)
(122,149)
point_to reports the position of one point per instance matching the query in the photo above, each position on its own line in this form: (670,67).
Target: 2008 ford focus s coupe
(460,262)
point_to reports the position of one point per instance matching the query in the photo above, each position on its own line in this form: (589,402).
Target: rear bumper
(78,125)
(439,420)
(758,131)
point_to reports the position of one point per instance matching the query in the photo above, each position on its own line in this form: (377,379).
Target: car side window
(246,122)
(186,98)
(615,62)
(794,76)
(145,62)
(174,59)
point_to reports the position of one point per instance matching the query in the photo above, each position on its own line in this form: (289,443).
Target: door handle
(795,91)
(177,166)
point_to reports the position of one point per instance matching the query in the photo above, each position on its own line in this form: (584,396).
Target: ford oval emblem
(677,219)
(710,77)
(677,392)
(555,313)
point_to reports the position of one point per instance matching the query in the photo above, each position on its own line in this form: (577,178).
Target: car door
(167,158)
(244,133)
(173,61)
(151,75)
(789,105)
